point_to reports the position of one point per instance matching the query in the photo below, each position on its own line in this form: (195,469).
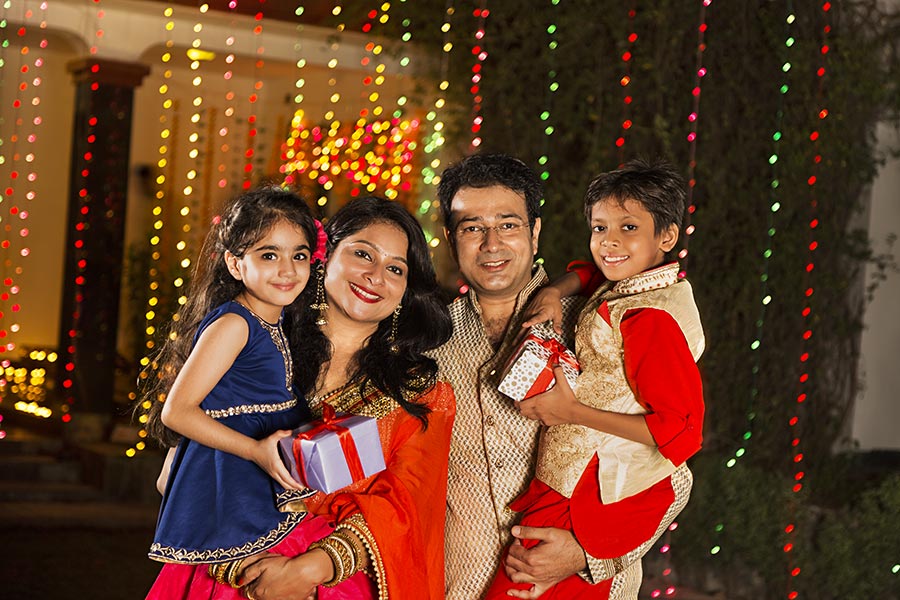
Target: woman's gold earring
(320,304)
(392,340)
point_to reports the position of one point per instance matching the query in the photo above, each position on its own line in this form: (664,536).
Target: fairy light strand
(693,120)
(85,205)
(4,45)
(552,87)
(627,58)
(18,155)
(765,292)
(434,138)
(802,396)
(160,213)
(481,14)
(252,119)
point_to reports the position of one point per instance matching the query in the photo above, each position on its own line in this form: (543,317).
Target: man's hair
(486,170)
(655,186)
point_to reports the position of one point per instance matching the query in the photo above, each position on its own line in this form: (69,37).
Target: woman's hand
(265,454)
(545,305)
(556,406)
(276,577)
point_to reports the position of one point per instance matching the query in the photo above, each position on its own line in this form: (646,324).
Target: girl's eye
(396,270)
(598,228)
(362,254)
(629,227)
(268,256)
(301,256)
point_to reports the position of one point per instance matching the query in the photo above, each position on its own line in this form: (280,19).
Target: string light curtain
(22,68)
(693,120)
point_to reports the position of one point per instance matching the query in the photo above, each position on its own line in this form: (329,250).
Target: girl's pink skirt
(192,582)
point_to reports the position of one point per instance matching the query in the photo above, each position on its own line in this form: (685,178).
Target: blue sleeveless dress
(219,507)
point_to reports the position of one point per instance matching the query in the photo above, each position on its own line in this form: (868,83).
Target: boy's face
(623,239)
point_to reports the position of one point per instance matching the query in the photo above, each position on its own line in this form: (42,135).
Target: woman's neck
(347,338)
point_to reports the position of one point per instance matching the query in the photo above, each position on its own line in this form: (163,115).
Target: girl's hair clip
(321,242)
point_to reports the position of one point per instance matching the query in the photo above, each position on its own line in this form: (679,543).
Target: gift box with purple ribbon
(530,370)
(332,452)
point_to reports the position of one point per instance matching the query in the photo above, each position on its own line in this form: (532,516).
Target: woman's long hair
(424,322)
(245,220)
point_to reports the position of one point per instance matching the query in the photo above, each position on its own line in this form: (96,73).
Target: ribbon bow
(558,354)
(330,422)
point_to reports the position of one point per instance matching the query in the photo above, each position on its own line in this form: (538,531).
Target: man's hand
(556,406)
(556,557)
(275,577)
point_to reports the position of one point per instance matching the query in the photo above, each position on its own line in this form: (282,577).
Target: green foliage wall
(750,394)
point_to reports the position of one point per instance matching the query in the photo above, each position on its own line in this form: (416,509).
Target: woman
(363,354)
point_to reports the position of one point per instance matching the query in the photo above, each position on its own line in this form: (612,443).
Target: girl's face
(624,241)
(274,270)
(366,274)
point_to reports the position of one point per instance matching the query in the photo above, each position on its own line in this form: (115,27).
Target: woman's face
(366,274)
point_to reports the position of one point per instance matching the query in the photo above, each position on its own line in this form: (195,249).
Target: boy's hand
(545,305)
(553,407)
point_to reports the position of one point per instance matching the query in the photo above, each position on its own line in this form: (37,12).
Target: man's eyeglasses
(505,230)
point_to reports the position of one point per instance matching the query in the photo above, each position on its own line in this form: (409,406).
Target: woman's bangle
(343,557)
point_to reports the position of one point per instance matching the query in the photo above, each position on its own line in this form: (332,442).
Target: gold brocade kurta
(492,447)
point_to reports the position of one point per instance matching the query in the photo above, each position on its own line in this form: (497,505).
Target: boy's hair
(244,221)
(655,186)
(486,170)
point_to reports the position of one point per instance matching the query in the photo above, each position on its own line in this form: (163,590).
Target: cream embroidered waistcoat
(626,467)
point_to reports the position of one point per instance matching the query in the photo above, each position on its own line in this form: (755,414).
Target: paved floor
(64,564)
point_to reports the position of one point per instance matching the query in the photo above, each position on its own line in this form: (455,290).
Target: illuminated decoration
(258,65)
(375,154)
(627,57)
(84,164)
(700,72)
(18,157)
(480,56)
(222,130)
(802,397)
(4,44)
(765,293)
(28,385)
(552,87)
(433,139)
(301,155)
(161,212)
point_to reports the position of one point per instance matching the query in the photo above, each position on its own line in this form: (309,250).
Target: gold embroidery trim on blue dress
(278,338)
(191,557)
(248,409)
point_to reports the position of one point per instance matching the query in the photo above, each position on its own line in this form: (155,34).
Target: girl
(226,373)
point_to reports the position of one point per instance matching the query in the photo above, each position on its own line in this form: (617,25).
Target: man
(491,205)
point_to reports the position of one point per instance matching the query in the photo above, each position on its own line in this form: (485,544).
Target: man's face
(492,242)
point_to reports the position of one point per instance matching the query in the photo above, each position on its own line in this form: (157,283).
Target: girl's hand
(276,577)
(265,454)
(553,407)
(545,305)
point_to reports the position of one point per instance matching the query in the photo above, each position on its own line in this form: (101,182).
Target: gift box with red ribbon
(332,452)
(530,370)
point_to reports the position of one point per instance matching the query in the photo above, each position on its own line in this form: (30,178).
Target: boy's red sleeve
(591,277)
(666,381)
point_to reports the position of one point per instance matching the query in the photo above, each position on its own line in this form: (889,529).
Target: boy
(606,462)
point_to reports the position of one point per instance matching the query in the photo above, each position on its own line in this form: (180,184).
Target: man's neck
(495,315)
